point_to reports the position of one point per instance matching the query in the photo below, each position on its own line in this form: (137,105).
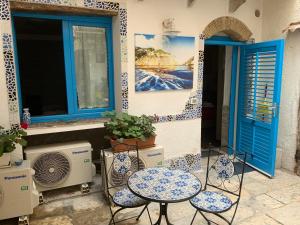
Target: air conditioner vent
(121,179)
(51,169)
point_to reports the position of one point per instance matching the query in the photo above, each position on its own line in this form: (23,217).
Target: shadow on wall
(297,156)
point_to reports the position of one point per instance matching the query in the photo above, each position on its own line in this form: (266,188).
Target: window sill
(57,127)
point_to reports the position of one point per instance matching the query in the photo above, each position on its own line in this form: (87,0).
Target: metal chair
(122,166)
(225,177)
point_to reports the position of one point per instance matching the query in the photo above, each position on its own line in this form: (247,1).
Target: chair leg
(207,220)
(236,207)
(113,215)
(141,213)
(149,215)
(194,217)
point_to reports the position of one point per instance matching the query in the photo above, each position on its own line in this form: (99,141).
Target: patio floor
(264,202)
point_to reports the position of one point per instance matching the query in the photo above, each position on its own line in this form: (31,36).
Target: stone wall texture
(231,26)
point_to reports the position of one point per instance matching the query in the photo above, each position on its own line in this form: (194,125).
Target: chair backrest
(120,166)
(225,172)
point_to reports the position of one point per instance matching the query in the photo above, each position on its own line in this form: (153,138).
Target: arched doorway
(222,35)
(253,97)
(234,28)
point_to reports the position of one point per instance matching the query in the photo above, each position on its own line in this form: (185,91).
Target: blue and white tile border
(190,111)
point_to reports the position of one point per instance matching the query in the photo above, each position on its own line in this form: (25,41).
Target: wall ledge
(58,127)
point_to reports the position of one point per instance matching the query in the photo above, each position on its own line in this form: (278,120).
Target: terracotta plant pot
(5,160)
(148,143)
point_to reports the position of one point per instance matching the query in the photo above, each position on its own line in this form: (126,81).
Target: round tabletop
(164,185)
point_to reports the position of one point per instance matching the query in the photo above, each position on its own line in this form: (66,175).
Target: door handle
(274,109)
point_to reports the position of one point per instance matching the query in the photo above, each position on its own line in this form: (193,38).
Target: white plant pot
(5,160)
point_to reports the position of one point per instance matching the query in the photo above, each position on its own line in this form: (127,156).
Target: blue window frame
(74,112)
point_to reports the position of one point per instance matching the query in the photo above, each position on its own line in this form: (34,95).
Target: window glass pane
(91,67)
(41,65)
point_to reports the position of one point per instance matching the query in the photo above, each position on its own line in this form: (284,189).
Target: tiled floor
(264,202)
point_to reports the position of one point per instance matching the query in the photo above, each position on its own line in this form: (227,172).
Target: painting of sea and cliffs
(163,62)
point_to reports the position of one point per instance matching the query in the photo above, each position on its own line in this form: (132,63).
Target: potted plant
(131,130)
(8,141)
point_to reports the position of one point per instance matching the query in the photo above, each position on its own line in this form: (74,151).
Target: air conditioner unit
(150,157)
(18,195)
(61,165)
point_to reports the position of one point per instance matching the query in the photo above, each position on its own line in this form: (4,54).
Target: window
(64,66)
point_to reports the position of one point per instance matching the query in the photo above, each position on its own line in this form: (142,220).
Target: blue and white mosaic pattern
(123,22)
(124,87)
(8,52)
(211,202)
(125,198)
(224,167)
(189,112)
(113,6)
(164,185)
(4,10)
(188,163)
(122,163)
(10,76)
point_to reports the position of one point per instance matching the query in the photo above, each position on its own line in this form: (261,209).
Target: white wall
(286,12)
(146,17)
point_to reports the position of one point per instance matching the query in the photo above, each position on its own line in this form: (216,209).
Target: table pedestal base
(163,212)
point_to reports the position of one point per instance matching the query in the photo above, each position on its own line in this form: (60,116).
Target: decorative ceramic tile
(102,5)
(107,5)
(182,164)
(90,3)
(211,201)
(124,88)
(189,163)
(122,163)
(10,76)
(201,56)
(7,42)
(163,184)
(224,167)
(124,81)
(8,50)
(126,198)
(123,21)
(4,10)
(202,37)
(189,112)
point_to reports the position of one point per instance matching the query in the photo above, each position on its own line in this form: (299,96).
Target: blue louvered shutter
(258,107)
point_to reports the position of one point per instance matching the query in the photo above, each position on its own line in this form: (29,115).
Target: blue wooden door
(258,106)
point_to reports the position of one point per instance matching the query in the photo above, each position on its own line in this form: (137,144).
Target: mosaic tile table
(164,186)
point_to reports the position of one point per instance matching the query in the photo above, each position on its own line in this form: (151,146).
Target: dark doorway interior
(213,93)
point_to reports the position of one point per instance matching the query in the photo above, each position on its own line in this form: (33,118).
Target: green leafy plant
(123,125)
(9,139)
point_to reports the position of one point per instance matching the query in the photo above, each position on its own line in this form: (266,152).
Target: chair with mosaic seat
(223,185)
(123,164)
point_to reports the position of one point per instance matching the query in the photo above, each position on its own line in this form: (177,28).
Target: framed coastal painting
(163,62)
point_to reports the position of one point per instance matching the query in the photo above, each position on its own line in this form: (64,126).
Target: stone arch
(231,26)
